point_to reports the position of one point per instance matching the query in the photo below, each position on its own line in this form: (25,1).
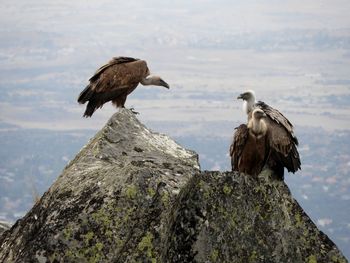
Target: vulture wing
(113,82)
(113,61)
(103,80)
(281,140)
(287,157)
(239,140)
(278,118)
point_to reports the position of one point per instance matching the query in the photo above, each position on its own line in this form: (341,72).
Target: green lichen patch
(227,190)
(311,259)
(165,198)
(214,255)
(131,191)
(151,192)
(146,246)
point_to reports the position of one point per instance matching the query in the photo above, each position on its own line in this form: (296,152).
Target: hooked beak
(240,97)
(164,84)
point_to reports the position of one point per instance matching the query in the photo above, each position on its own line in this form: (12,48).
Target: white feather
(245,107)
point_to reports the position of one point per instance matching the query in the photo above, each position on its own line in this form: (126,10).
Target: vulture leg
(132,110)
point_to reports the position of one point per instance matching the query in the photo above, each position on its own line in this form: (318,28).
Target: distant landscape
(295,55)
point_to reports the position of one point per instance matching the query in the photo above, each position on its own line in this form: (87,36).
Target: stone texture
(228,217)
(132,195)
(4,226)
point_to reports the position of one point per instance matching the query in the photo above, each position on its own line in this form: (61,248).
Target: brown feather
(282,142)
(121,75)
(237,146)
(278,118)
(112,62)
(248,152)
(113,82)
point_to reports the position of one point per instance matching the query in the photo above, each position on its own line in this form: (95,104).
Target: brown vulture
(280,139)
(249,149)
(115,81)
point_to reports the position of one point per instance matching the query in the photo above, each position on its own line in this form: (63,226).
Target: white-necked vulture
(115,81)
(281,141)
(249,149)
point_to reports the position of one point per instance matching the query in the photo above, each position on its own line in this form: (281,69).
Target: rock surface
(132,195)
(228,217)
(4,226)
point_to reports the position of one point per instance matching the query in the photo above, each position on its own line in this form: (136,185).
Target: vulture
(115,81)
(281,143)
(249,149)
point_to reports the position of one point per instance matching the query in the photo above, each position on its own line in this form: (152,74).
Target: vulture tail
(295,159)
(86,94)
(292,161)
(295,140)
(90,109)
(276,164)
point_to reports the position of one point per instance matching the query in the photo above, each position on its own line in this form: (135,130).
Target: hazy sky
(295,54)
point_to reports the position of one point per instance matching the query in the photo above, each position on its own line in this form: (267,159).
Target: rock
(109,203)
(132,195)
(228,217)
(4,226)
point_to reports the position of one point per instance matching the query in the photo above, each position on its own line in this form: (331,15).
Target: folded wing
(236,149)
(282,141)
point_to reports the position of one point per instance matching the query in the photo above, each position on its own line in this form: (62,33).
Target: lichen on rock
(109,203)
(133,195)
(228,217)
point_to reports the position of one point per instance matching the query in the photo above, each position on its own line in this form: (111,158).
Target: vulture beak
(164,84)
(240,97)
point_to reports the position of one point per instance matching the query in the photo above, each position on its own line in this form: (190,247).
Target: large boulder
(228,217)
(132,195)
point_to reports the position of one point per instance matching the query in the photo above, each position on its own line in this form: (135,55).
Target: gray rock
(228,217)
(4,226)
(132,195)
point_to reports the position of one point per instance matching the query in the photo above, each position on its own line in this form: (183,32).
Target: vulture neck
(150,81)
(257,128)
(248,105)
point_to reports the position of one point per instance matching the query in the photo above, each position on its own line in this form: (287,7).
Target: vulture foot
(133,111)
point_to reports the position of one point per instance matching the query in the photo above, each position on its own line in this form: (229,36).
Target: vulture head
(248,98)
(257,123)
(258,114)
(155,80)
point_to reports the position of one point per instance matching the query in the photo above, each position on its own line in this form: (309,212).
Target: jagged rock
(132,195)
(228,217)
(109,203)
(4,226)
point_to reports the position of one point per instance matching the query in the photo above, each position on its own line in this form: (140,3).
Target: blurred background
(294,54)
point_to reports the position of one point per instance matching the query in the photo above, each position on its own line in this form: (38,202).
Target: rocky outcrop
(227,217)
(132,195)
(4,226)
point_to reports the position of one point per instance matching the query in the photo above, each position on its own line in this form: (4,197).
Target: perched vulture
(281,141)
(249,149)
(115,81)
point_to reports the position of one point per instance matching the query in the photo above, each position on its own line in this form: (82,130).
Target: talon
(133,111)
